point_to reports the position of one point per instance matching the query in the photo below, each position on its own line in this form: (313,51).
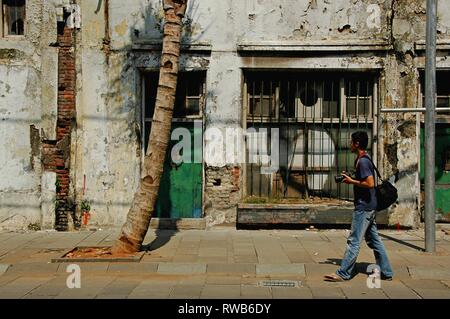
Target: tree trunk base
(125,245)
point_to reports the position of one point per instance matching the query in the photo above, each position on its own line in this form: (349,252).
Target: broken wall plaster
(266,23)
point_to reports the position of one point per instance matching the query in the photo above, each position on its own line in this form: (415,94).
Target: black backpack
(386,192)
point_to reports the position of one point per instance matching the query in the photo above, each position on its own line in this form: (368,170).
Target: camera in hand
(339,179)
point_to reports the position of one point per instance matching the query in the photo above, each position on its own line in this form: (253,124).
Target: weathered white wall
(107,150)
(106,145)
(28,99)
(109,114)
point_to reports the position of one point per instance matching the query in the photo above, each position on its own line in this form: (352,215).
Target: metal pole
(430,127)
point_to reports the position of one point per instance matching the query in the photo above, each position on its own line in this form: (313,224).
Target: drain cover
(280,283)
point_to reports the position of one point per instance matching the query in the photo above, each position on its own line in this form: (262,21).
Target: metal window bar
(269,133)
(313,168)
(321,139)
(252,106)
(306,144)
(261,102)
(329,140)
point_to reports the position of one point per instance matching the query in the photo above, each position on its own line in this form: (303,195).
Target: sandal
(334,278)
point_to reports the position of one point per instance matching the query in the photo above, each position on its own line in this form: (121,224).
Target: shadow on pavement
(360,267)
(402,242)
(163,236)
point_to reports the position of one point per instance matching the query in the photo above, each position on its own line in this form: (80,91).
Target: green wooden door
(442,173)
(180,194)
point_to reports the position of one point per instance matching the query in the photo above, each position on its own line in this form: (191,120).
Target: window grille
(315,113)
(189,100)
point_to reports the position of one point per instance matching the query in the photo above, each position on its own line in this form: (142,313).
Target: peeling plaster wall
(28,95)
(106,145)
(110,145)
(108,150)
(399,133)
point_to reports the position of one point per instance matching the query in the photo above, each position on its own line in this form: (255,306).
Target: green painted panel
(442,146)
(443,202)
(180,194)
(442,191)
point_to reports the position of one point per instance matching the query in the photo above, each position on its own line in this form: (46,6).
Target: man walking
(363,222)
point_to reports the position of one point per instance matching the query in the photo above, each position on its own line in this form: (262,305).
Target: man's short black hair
(361,138)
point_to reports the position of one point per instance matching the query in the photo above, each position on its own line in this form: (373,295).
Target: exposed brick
(56,156)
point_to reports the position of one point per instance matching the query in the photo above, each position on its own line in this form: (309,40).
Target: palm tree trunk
(136,226)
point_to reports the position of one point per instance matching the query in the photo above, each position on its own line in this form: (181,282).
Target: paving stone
(276,269)
(95,239)
(151,289)
(101,267)
(252,280)
(446,282)
(268,257)
(221,292)
(21,240)
(223,280)
(319,270)
(7,278)
(119,287)
(327,293)
(397,290)
(434,273)
(245,259)
(21,255)
(185,259)
(213,260)
(401,272)
(254,292)
(199,279)
(115,297)
(90,287)
(49,289)
(34,268)
(359,292)
(126,268)
(182,291)
(215,251)
(57,240)
(423,284)
(291,293)
(181,268)
(244,252)
(299,257)
(21,286)
(433,293)
(156,259)
(232,268)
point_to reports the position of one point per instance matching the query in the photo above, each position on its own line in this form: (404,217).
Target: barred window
(315,114)
(189,100)
(13,16)
(442,89)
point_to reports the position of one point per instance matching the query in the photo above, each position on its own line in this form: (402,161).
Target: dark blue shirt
(365,198)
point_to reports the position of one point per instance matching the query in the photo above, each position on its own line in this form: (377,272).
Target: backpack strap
(374,166)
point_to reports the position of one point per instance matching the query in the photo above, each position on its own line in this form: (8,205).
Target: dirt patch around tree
(98,254)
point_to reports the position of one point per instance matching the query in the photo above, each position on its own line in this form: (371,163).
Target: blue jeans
(364,225)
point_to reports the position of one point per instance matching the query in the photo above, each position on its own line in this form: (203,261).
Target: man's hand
(369,182)
(348,179)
